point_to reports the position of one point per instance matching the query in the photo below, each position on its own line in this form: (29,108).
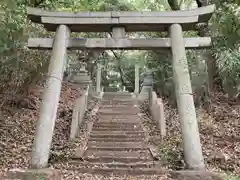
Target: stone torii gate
(118,23)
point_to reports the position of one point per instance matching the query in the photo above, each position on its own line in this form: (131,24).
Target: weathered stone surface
(119,154)
(34,174)
(78,115)
(124,147)
(128,44)
(118,32)
(128,139)
(195,175)
(114,135)
(157,111)
(117,128)
(132,21)
(147,86)
(116,159)
(130,111)
(50,100)
(143,164)
(186,109)
(121,171)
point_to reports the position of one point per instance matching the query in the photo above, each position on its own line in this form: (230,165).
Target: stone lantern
(147,86)
(80,74)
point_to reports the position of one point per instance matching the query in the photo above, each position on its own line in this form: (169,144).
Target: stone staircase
(117,142)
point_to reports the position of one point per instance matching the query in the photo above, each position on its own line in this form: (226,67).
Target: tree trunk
(175,6)
(120,70)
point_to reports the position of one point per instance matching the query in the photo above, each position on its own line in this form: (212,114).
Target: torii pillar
(186,108)
(50,100)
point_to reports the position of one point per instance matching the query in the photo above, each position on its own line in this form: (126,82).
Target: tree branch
(119,68)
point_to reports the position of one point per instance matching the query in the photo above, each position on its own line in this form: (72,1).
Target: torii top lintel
(132,21)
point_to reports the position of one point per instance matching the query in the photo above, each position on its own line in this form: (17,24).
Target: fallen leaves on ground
(219,132)
(70,175)
(18,128)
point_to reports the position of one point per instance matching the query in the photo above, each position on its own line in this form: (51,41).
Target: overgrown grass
(229,176)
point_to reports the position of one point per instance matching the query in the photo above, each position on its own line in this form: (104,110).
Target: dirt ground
(219,128)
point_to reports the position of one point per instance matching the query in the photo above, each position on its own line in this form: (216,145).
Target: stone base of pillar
(98,95)
(34,174)
(194,175)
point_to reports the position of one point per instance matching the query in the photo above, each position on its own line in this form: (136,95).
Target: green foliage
(21,67)
(226,29)
(18,63)
(231,177)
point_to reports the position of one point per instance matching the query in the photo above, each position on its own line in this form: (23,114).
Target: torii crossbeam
(121,44)
(131,21)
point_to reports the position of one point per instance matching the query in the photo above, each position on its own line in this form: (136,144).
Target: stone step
(120,121)
(121,171)
(123,96)
(107,110)
(117,102)
(112,120)
(117,95)
(115,145)
(120,134)
(100,128)
(109,94)
(143,164)
(118,98)
(135,139)
(131,148)
(117,123)
(110,158)
(126,109)
(120,128)
(117,127)
(116,106)
(141,154)
(113,112)
(118,117)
